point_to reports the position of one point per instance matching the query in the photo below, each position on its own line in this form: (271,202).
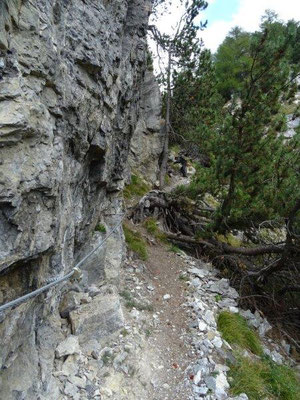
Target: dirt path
(164,268)
(159,335)
(170,348)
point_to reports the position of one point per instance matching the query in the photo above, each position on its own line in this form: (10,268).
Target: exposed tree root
(266,275)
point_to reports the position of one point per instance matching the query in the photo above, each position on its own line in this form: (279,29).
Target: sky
(222,15)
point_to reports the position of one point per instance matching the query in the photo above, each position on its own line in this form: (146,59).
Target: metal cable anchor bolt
(77,275)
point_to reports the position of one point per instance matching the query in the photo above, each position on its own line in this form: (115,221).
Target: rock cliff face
(75,96)
(147,139)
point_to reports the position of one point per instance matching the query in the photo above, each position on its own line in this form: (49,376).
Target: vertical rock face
(73,83)
(147,140)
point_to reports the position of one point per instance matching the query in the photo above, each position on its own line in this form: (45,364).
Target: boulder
(69,346)
(97,319)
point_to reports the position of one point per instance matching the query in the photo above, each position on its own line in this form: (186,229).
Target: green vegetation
(282,381)
(261,379)
(235,330)
(229,110)
(100,228)
(184,277)
(131,303)
(175,148)
(135,242)
(230,239)
(230,107)
(107,358)
(126,294)
(138,305)
(182,49)
(174,248)
(151,225)
(149,60)
(218,297)
(148,332)
(137,187)
(124,332)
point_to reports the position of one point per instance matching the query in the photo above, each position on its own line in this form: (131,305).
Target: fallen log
(252,251)
(225,248)
(187,239)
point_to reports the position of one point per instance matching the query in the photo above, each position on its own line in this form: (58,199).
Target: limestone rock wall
(73,83)
(147,140)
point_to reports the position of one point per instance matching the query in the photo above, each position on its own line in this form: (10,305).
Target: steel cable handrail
(75,271)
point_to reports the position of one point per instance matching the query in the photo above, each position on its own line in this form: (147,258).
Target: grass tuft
(100,228)
(126,295)
(137,187)
(135,242)
(131,303)
(175,249)
(235,330)
(263,379)
(247,377)
(218,297)
(107,358)
(183,277)
(124,332)
(152,228)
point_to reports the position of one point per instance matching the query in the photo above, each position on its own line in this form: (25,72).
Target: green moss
(230,239)
(137,187)
(261,379)
(176,167)
(175,149)
(211,200)
(100,228)
(135,242)
(235,330)
(288,108)
(167,179)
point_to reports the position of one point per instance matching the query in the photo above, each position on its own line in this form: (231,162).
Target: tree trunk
(164,162)
(220,225)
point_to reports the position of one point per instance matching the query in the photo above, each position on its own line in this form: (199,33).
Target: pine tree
(233,62)
(181,49)
(196,104)
(252,165)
